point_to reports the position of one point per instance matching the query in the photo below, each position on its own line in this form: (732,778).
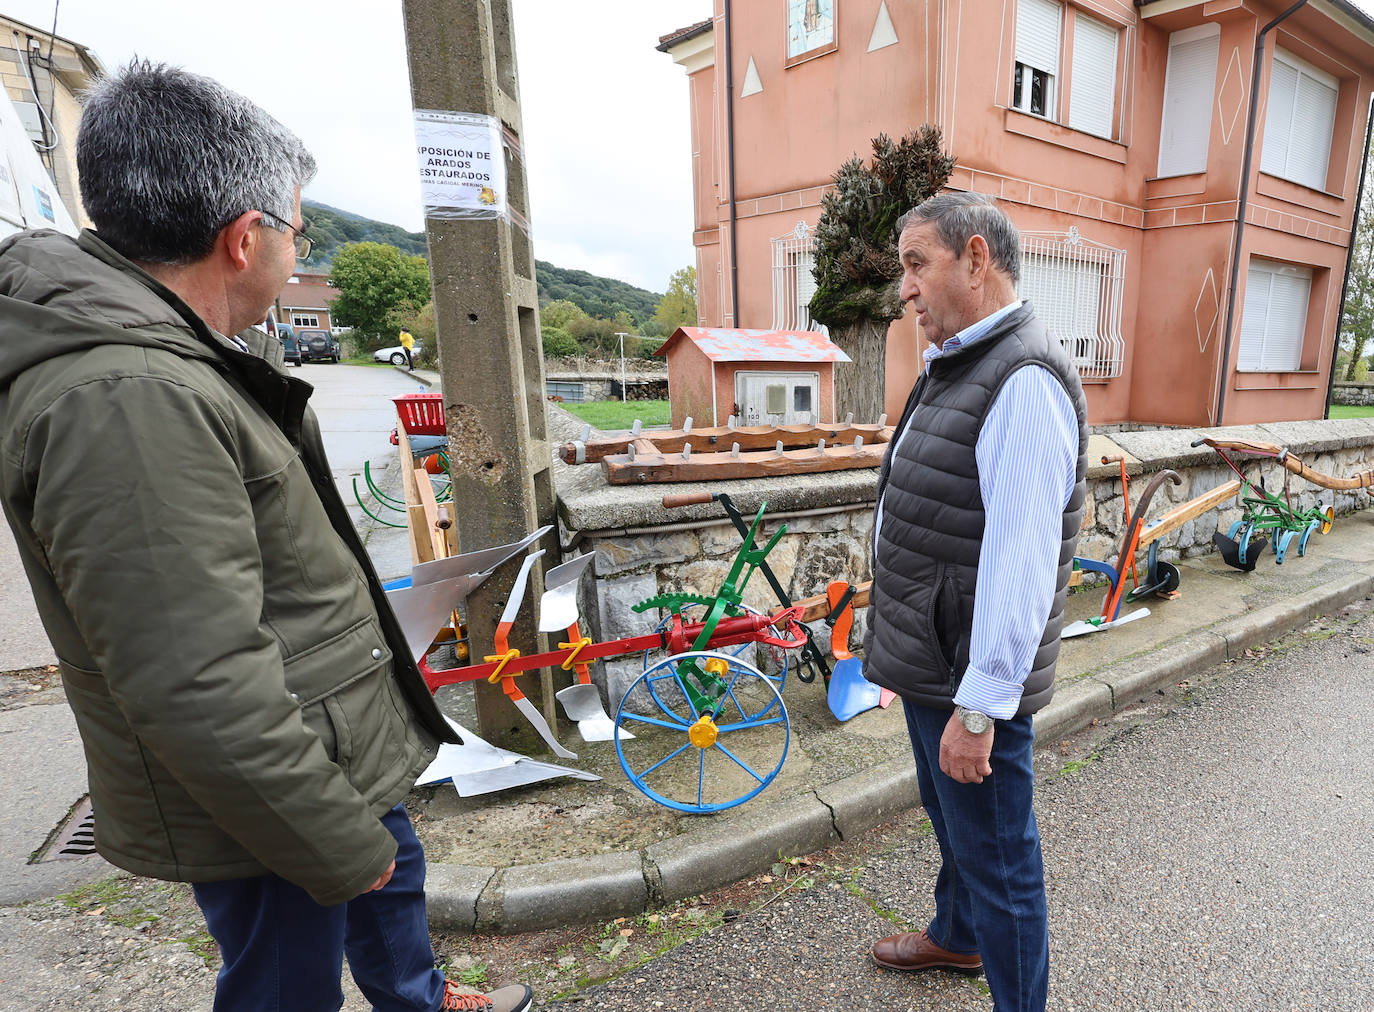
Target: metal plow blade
(479,767)
(582,703)
(1230,552)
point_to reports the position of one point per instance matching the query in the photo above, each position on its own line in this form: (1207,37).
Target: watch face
(973,721)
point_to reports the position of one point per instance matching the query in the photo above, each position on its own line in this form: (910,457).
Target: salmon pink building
(1184,172)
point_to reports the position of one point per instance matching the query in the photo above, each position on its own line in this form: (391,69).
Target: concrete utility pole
(462,60)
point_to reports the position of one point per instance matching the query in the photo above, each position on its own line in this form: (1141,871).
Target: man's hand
(382,879)
(964,756)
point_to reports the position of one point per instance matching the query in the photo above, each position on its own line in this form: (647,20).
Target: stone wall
(643,550)
(1352,393)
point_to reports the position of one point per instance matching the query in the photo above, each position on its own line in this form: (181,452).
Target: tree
(856,267)
(420,323)
(374,282)
(1357,324)
(560,313)
(678,307)
(559,343)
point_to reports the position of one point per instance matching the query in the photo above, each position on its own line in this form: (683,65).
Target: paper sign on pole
(462,164)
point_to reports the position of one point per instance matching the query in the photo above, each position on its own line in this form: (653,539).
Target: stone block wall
(1352,393)
(642,551)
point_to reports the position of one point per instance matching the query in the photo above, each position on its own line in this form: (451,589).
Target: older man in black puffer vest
(979,505)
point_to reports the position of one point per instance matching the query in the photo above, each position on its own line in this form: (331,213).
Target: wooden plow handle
(1362,479)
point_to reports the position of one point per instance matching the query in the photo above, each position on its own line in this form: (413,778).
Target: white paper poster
(462,164)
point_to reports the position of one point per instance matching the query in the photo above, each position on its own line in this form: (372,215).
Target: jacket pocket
(946,621)
(348,696)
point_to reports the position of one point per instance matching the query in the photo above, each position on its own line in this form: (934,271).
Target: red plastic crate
(421,414)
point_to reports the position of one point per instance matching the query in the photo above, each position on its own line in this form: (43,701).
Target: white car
(396,355)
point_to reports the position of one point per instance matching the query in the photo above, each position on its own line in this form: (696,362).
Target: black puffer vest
(925,568)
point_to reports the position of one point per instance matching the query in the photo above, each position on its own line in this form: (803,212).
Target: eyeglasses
(302,241)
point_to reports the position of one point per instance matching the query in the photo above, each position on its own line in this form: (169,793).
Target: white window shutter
(1278,118)
(1314,118)
(1275,317)
(1037,34)
(1299,122)
(1092,104)
(1189,84)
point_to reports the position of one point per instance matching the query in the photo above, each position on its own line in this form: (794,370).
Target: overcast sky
(606,131)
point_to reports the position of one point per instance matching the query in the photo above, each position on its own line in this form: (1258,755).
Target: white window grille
(1076,286)
(304,320)
(1299,121)
(793,281)
(1038,26)
(1274,321)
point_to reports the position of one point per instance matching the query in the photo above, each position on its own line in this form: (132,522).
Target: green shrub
(559,343)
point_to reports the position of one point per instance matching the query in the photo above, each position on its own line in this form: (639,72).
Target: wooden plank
(715,438)
(1175,518)
(410,492)
(421,544)
(818,607)
(645,468)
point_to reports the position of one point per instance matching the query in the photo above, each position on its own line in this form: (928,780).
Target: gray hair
(167,158)
(958,217)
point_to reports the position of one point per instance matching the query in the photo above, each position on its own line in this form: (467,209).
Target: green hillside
(332,228)
(594,295)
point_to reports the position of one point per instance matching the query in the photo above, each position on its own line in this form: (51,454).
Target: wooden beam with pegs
(756,437)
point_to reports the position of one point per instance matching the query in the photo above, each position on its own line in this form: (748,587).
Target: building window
(1189,83)
(1037,56)
(1299,121)
(304,320)
(1076,287)
(1092,108)
(793,281)
(1274,320)
(810,28)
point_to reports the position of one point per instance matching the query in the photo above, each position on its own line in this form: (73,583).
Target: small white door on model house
(778,398)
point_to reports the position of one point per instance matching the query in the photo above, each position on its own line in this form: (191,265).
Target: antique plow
(1243,544)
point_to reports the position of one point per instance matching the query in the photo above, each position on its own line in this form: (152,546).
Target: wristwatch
(973,721)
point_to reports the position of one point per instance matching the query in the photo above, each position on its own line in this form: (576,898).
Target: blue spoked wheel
(696,612)
(699,757)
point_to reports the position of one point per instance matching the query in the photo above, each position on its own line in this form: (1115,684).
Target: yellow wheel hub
(703,733)
(717,666)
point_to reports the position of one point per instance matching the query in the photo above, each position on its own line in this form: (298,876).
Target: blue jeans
(283,952)
(990,893)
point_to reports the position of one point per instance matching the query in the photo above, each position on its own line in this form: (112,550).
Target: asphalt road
(1208,853)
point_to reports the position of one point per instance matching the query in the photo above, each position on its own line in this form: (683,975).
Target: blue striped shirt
(1027,456)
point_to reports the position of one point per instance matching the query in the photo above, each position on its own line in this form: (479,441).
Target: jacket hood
(60,295)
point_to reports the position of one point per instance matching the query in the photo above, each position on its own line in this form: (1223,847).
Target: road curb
(529,897)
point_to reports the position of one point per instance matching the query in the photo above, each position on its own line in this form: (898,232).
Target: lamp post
(622,335)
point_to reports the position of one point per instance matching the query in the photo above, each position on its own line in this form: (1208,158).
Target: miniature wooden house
(762,377)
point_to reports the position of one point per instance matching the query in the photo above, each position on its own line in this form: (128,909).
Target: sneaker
(515,998)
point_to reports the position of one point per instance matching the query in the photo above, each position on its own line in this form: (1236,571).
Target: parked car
(396,355)
(318,345)
(290,349)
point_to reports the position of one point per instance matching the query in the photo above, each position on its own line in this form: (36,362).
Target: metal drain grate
(74,836)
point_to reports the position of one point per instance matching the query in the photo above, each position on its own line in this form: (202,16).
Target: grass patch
(1352,411)
(617,415)
(365,360)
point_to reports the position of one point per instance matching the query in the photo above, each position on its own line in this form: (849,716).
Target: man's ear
(979,258)
(241,239)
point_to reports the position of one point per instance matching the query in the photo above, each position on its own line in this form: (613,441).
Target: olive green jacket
(243,691)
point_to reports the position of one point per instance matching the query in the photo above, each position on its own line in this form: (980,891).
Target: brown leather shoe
(915,951)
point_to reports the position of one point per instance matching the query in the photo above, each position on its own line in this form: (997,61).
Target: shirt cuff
(983,693)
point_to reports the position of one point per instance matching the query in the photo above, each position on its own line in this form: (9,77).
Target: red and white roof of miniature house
(721,344)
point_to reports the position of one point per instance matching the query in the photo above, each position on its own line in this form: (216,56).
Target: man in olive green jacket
(250,714)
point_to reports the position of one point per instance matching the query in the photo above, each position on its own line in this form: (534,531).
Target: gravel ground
(1188,843)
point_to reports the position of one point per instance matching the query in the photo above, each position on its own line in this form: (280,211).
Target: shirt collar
(970,333)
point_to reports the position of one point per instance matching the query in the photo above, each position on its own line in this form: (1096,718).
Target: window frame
(1275,267)
(1210,32)
(1059,85)
(299,320)
(1326,79)
(823,49)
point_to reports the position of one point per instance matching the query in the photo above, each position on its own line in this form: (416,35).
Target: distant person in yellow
(408,345)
